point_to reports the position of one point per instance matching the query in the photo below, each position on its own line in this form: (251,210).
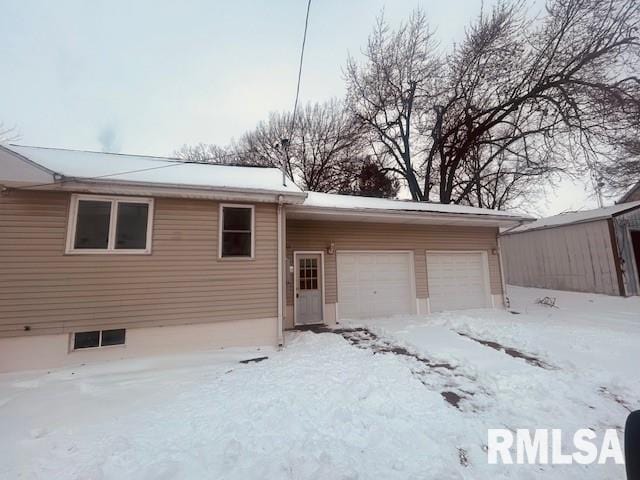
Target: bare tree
(517,101)
(8,134)
(621,170)
(204,153)
(318,153)
(384,96)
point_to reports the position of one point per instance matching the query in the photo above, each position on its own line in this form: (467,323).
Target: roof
(96,172)
(632,191)
(335,201)
(138,169)
(571,218)
(355,208)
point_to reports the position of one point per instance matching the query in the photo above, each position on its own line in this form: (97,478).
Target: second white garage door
(374,284)
(457,280)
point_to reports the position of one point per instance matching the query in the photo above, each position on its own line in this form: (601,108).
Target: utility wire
(28,187)
(225,155)
(285,142)
(304,42)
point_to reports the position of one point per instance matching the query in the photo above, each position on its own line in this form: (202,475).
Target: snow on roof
(351,202)
(154,170)
(575,217)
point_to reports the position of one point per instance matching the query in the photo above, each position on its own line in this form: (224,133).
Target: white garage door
(375,284)
(458,280)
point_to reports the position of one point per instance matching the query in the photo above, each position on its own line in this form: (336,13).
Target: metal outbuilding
(596,251)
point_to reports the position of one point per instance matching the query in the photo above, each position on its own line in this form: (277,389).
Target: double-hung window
(101,224)
(236,231)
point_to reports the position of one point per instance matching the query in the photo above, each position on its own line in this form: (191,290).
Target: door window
(308,274)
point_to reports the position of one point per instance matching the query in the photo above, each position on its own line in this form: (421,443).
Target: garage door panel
(457,281)
(375,284)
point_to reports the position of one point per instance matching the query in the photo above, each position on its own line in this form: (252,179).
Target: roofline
(28,160)
(88,184)
(147,157)
(409,214)
(630,192)
(577,222)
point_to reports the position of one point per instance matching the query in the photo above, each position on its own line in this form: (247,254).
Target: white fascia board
(175,191)
(490,220)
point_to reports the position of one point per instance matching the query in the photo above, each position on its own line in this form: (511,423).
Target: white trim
(72,342)
(295,280)
(253,230)
(115,200)
(281,257)
(632,255)
(485,268)
(503,282)
(403,216)
(412,264)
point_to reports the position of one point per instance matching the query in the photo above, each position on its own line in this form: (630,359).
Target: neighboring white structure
(594,251)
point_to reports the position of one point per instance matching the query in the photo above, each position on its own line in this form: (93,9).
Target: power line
(28,187)
(304,42)
(285,142)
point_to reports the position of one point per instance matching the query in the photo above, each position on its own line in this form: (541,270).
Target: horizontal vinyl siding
(181,282)
(314,235)
(573,257)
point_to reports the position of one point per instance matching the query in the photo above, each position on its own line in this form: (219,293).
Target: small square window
(113,337)
(86,339)
(237,232)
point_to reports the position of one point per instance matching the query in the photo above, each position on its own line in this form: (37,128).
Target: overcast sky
(148,76)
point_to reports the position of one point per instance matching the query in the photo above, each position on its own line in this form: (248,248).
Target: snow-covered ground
(330,407)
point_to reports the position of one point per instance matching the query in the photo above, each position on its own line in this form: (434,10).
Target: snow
(576,217)
(350,202)
(154,170)
(324,408)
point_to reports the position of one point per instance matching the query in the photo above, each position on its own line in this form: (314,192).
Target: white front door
(308,288)
(375,284)
(458,280)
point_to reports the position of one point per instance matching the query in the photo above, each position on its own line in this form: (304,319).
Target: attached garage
(458,280)
(374,284)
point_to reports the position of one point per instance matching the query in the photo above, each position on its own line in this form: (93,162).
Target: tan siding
(313,235)
(573,257)
(181,282)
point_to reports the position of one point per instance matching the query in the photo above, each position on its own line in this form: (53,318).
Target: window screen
(236,231)
(131,227)
(92,224)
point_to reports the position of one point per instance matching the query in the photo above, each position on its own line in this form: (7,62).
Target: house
(596,251)
(633,195)
(109,256)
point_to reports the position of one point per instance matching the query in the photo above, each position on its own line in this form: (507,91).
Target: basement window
(236,231)
(98,338)
(99,224)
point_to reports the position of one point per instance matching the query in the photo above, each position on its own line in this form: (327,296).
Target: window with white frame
(101,224)
(236,231)
(99,338)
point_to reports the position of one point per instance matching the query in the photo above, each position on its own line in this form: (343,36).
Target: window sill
(89,251)
(87,349)
(236,259)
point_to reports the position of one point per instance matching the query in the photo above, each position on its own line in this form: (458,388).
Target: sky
(147,76)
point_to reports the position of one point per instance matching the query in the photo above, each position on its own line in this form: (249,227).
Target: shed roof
(631,192)
(570,218)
